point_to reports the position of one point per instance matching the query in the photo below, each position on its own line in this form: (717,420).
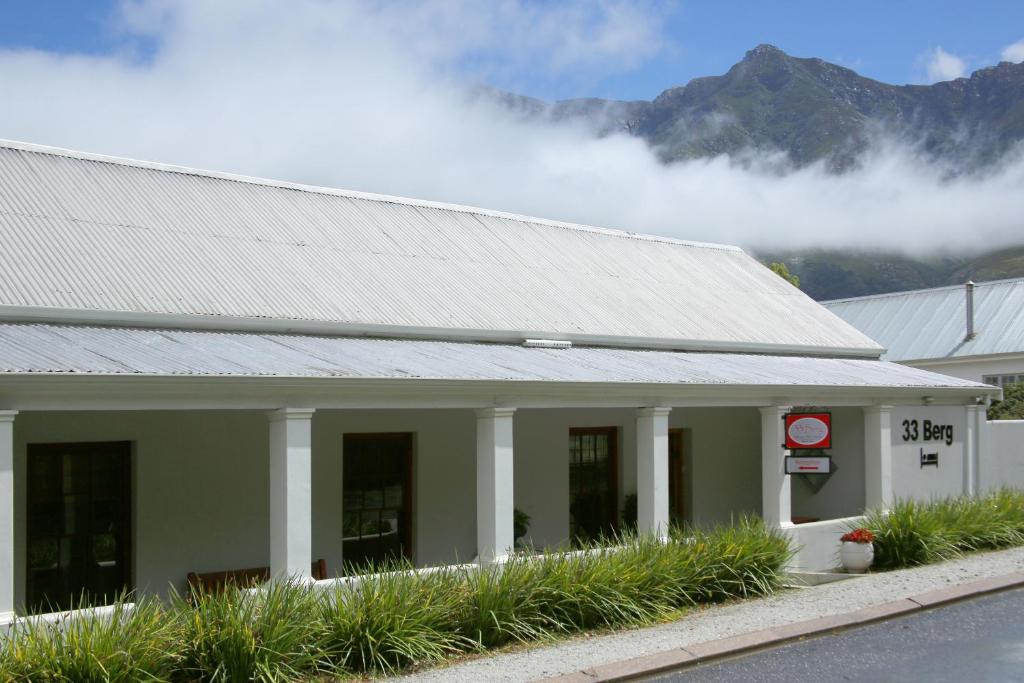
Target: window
(79,514)
(1002,380)
(593,482)
(377,499)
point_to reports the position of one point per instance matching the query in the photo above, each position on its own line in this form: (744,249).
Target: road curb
(699,653)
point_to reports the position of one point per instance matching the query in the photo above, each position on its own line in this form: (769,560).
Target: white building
(973,331)
(203,372)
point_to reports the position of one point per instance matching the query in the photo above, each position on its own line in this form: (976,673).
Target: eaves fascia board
(960,360)
(71,316)
(973,390)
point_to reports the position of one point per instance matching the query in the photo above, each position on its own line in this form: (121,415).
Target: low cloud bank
(375,96)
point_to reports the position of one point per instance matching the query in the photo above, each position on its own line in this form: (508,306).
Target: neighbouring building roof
(91,238)
(932,323)
(36,348)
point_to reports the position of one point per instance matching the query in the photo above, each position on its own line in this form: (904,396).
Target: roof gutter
(74,316)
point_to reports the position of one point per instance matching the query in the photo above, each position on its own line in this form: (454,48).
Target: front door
(593,483)
(79,531)
(377,498)
(676,477)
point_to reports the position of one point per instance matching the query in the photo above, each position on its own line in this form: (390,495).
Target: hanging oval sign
(808,430)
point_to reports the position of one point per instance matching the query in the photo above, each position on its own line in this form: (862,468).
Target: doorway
(377,500)
(79,524)
(593,483)
(677,476)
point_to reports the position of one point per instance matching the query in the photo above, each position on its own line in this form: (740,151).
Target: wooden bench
(214,582)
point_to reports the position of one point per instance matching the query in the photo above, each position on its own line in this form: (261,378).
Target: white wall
(1002,455)
(910,480)
(725,461)
(842,494)
(975,370)
(201,484)
(201,478)
(542,465)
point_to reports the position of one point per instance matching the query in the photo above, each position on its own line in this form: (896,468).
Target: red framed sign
(808,430)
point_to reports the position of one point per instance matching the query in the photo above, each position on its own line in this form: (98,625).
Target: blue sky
(889,41)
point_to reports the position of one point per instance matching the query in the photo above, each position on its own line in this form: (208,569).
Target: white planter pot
(856,557)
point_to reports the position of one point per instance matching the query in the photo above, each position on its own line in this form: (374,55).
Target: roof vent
(969,289)
(547,344)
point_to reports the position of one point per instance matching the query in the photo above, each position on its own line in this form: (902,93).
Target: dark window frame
(612,521)
(126,553)
(406,538)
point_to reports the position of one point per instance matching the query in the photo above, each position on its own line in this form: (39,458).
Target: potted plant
(857,551)
(520,525)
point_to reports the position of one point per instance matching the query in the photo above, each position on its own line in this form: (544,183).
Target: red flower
(858,536)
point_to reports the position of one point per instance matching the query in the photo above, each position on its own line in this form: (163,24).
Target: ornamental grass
(397,618)
(130,643)
(914,533)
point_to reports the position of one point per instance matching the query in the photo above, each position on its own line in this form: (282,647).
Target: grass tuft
(914,533)
(130,644)
(265,635)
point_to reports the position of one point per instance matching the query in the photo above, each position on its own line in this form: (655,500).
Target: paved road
(978,640)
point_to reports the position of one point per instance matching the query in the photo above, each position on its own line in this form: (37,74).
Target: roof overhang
(46,366)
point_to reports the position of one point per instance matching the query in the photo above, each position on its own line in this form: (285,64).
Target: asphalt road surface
(966,642)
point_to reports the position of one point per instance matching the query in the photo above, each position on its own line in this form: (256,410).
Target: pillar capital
(291,414)
(775,410)
(494,412)
(653,411)
(8,415)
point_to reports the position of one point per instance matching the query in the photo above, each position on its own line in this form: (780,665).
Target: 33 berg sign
(806,431)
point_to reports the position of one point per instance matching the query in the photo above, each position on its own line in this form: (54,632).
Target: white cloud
(1013,53)
(364,96)
(940,65)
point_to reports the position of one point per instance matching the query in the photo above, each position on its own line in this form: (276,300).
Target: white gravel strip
(721,621)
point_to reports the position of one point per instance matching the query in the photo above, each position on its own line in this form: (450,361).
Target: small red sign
(808,430)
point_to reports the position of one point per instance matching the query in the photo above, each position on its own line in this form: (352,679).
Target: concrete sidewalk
(716,630)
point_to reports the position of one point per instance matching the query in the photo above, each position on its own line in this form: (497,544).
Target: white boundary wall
(1002,455)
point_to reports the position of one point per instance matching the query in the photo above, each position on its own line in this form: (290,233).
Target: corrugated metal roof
(73,349)
(91,233)
(932,323)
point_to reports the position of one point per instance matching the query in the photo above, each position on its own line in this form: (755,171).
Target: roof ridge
(354,194)
(906,292)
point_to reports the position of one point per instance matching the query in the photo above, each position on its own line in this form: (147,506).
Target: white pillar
(775,498)
(494,490)
(971,452)
(7,515)
(878,457)
(291,529)
(652,471)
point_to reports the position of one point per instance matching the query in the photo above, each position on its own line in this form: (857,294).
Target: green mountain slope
(837,274)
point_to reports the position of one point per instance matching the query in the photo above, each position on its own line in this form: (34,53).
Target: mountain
(812,110)
(837,274)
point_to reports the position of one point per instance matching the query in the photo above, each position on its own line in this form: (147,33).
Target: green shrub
(914,533)
(1012,405)
(269,634)
(501,604)
(393,619)
(137,644)
(397,618)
